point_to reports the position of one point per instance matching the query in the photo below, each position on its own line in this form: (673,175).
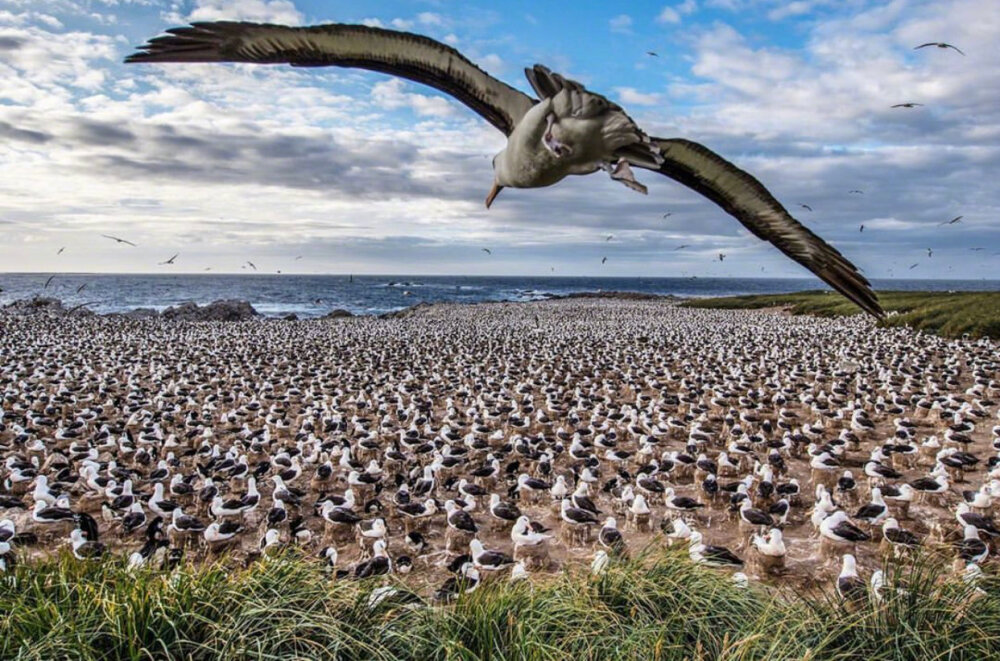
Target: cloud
(264,11)
(390,95)
(621,23)
(367,172)
(631,96)
(11,132)
(673,13)
(668,15)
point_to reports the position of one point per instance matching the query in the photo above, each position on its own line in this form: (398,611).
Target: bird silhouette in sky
(252,265)
(115,238)
(956,219)
(939,44)
(908,104)
(681,247)
(862,228)
(171,260)
(806,207)
(722,256)
(61,250)
(487,251)
(604,260)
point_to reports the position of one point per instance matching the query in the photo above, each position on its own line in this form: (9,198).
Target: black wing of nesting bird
(569,131)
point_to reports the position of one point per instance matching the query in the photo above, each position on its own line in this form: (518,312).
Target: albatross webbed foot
(551,143)
(621,171)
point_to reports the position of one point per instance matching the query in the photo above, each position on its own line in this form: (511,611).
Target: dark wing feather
(746,199)
(402,54)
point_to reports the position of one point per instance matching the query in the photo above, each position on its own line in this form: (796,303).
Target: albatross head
(498,169)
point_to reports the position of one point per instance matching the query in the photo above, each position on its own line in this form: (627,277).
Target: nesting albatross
(568,130)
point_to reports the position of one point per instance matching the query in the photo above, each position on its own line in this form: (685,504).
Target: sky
(336,170)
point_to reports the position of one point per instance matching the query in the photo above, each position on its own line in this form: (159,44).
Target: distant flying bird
(914,265)
(567,130)
(208,268)
(81,288)
(61,250)
(252,265)
(652,53)
(862,228)
(51,278)
(487,251)
(171,260)
(722,256)
(298,258)
(681,247)
(908,104)
(610,236)
(856,192)
(806,207)
(956,219)
(115,238)
(604,260)
(939,44)
(668,214)
(975,249)
(81,305)
(930,253)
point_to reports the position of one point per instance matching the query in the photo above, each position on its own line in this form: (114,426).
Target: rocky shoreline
(230,310)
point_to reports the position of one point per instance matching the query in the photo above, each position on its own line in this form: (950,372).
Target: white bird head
(850,566)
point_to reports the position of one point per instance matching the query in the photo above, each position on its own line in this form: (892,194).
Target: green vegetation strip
(949,314)
(656,606)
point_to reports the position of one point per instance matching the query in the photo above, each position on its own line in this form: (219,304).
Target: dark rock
(337,314)
(215,311)
(291,317)
(38,305)
(141,313)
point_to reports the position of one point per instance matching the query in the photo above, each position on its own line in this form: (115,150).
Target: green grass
(948,314)
(658,606)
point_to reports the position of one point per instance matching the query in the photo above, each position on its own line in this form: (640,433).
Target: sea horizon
(314,295)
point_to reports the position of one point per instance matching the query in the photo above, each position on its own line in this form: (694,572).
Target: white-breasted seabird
(897,536)
(971,548)
(488,559)
(569,130)
(850,586)
(839,528)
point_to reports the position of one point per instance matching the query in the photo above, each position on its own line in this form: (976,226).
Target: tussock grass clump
(949,314)
(657,606)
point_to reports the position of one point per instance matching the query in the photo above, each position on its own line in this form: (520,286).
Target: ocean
(316,295)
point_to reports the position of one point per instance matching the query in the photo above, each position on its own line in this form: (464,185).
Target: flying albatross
(567,130)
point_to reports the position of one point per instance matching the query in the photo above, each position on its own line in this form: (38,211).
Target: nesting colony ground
(202,423)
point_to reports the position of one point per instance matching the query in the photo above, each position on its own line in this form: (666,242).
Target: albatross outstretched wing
(402,54)
(746,199)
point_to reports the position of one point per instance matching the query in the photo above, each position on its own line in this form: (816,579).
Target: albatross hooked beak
(493,194)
